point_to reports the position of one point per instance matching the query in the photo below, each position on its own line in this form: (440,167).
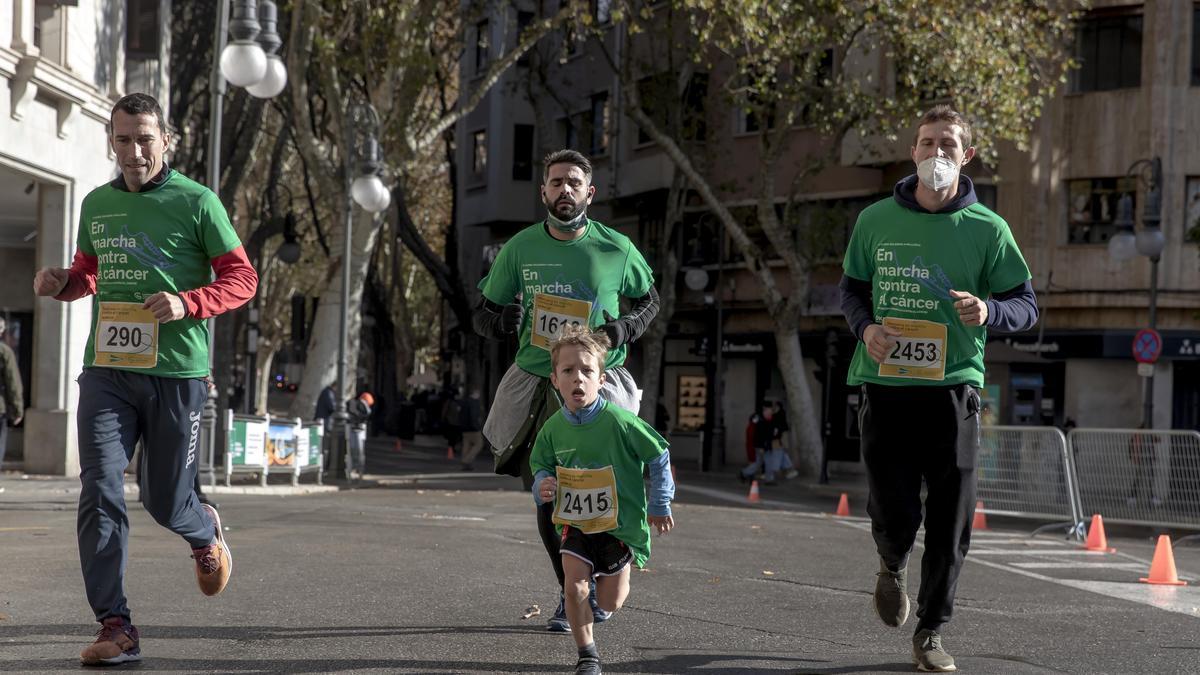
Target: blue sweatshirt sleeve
(1013,310)
(662,486)
(537,480)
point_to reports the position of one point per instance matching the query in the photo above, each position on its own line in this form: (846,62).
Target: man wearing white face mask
(927,273)
(567,269)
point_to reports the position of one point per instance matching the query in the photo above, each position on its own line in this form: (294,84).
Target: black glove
(614,329)
(510,317)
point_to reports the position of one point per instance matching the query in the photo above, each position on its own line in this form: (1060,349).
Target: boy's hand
(662,523)
(547,489)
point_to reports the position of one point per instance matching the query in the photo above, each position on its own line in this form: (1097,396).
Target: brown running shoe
(116,643)
(213,562)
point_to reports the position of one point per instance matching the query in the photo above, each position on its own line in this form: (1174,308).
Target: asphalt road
(433,573)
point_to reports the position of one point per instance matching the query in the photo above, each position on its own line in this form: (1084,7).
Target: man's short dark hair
(139,104)
(944,113)
(566,157)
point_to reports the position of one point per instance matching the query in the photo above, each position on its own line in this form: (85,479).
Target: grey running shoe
(928,654)
(588,665)
(891,595)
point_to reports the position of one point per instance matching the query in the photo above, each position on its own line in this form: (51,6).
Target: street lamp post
(1148,241)
(249,61)
(364,187)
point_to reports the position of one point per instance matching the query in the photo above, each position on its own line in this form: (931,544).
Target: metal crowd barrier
(1148,477)
(1026,472)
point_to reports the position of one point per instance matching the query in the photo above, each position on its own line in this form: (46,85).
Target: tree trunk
(802,413)
(262,375)
(322,358)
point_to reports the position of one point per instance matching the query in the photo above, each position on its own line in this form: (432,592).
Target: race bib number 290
(587,499)
(126,336)
(919,352)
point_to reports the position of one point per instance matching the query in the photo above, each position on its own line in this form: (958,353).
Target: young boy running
(588,462)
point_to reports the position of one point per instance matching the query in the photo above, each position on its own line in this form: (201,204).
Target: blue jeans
(770,461)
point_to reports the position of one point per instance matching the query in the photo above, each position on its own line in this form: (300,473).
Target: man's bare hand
(50,281)
(972,311)
(878,339)
(166,306)
(547,489)
(662,523)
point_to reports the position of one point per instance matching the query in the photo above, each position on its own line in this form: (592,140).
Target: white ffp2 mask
(937,173)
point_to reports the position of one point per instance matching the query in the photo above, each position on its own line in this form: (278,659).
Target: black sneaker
(588,665)
(891,595)
(928,654)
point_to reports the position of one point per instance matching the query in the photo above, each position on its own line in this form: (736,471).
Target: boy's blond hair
(577,335)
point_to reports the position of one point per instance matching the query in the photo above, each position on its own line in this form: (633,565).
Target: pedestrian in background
(471,425)
(13,409)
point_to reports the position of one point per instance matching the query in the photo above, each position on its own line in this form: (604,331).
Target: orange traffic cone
(843,507)
(753,497)
(449,452)
(1162,568)
(980,522)
(1096,541)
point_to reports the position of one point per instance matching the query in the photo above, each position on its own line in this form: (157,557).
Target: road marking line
(1033,551)
(1180,599)
(21,529)
(1137,567)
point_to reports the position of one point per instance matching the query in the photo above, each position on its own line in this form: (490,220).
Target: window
(1109,50)
(49,32)
(481,46)
(524,19)
(1196,46)
(141,30)
(599,124)
(602,10)
(1092,208)
(569,133)
(479,154)
(522,168)
(656,93)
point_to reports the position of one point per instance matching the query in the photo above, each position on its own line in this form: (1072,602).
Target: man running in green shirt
(567,269)
(148,244)
(927,272)
(588,461)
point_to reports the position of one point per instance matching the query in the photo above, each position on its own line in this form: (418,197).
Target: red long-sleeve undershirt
(235,284)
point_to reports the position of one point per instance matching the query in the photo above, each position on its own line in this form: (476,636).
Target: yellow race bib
(551,313)
(586,499)
(919,352)
(126,336)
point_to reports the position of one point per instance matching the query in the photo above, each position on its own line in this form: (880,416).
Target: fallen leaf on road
(756,527)
(768,573)
(531,612)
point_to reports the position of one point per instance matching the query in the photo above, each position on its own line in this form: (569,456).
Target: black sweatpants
(910,434)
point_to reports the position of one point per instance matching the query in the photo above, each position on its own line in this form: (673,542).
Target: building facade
(1134,97)
(63,65)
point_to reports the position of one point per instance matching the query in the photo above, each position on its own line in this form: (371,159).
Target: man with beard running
(567,269)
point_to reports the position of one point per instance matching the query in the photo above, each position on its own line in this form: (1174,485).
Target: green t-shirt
(586,276)
(161,239)
(912,261)
(616,438)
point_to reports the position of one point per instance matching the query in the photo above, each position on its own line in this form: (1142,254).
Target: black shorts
(605,553)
